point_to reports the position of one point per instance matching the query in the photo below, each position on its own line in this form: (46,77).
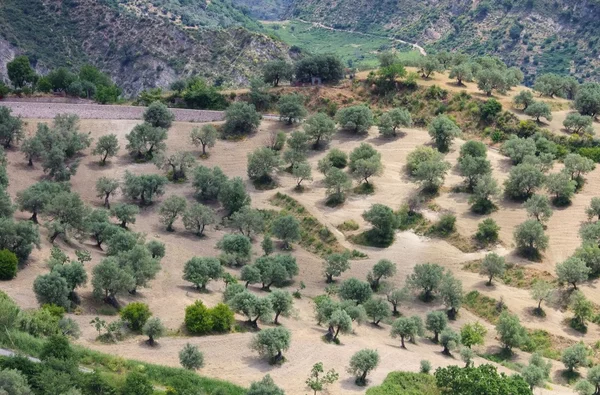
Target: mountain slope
(139,51)
(537,35)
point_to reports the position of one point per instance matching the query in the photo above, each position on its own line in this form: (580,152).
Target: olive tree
(562,187)
(190,357)
(53,289)
(105,187)
(539,110)
(530,238)
(208,182)
(404,328)
(576,166)
(253,307)
(171,209)
(361,363)
(233,196)
(339,321)
(436,322)
(384,268)
(36,198)
(301,172)
(286,228)
(377,309)
(384,221)
(442,131)
(517,148)
(319,128)
(197,217)
(154,329)
(201,270)
(145,141)
(574,356)
(391,121)
(484,191)
(540,291)
(177,165)
(396,297)
(143,187)
(241,119)
(262,163)
(236,249)
(450,340)
(356,119)
(264,387)
(493,265)
(158,115)
(291,108)
(272,342)
(334,265)
(276,71)
(282,303)
(338,184)
(594,209)
(524,98)
(107,147)
(355,290)
(577,123)
(109,280)
(125,213)
(538,207)
(205,137)
(523,181)
(427,277)
(510,331)
(572,271)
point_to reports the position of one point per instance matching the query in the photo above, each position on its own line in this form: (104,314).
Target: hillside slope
(138,50)
(537,35)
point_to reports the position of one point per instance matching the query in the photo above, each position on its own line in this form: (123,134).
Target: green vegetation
(355,50)
(314,236)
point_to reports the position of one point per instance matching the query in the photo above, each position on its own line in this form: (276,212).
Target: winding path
(320,25)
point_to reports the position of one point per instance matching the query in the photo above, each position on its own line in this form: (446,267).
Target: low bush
(200,320)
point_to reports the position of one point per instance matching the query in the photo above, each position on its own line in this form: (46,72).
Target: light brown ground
(228,356)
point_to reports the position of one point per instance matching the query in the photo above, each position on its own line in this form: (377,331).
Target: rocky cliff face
(138,51)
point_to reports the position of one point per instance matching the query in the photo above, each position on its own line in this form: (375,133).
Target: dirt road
(39,110)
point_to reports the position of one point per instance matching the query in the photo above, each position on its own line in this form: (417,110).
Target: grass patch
(369,238)
(483,306)
(116,368)
(348,226)
(548,345)
(412,220)
(315,237)
(503,358)
(364,189)
(406,383)
(515,275)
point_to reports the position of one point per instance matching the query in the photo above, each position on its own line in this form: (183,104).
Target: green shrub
(406,383)
(487,231)
(222,318)
(198,319)
(446,224)
(136,314)
(8,265)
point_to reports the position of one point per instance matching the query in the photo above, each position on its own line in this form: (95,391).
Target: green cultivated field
(354,49)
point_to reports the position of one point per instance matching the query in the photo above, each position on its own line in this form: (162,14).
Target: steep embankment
(538,36)
(138,50)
